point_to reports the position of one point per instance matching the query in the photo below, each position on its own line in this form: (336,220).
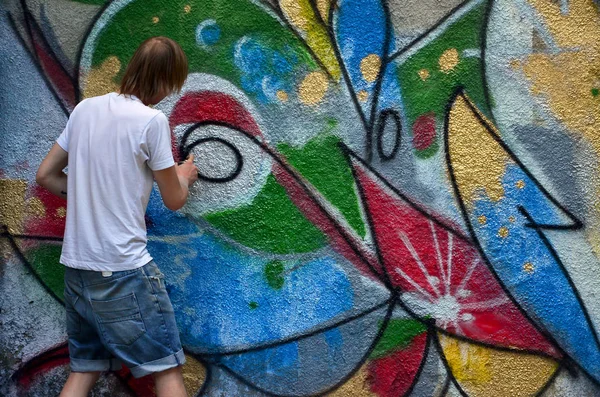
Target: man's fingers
(190,157)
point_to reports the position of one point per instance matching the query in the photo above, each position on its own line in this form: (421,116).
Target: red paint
(213,107)
(52,224)
(342,237)
(424,131)
(394,374)
(457,273)
(61,81)
(42,363)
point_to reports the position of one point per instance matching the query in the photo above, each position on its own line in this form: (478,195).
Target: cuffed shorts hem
(81,365)
(162,364)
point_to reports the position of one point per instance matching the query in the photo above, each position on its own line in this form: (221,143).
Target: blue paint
(212,284)
(544,293)
(161,221)
(359,27)
(264,70)
(208,33)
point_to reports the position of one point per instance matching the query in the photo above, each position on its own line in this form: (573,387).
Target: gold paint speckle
(520,184)
(482,219)
(485,371)
(478,160)
(155,20)
(515,64)
(503,232)
(12,204)
(194,375)
(369,67)
(528,267)
(313,88)
(448,60)
(101,80)
(424,74)
(511,219)
(187,8)
(282,95)
(362,95)
(36,208)
(61,212)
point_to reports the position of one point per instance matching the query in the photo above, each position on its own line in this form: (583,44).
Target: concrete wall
(397,198)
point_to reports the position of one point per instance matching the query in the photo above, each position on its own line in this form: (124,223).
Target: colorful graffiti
(395,198)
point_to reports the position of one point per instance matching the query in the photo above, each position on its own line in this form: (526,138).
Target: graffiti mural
(395,198)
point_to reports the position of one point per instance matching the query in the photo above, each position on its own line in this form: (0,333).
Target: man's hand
(188,171)
(173,183)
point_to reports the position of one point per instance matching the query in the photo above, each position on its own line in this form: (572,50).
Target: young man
(118,310)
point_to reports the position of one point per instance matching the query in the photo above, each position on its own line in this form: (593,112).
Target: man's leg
(170,383)
(79,384)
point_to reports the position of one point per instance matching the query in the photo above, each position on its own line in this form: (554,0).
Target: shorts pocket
(119,319)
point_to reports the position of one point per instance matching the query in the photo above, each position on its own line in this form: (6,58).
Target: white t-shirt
(114,143)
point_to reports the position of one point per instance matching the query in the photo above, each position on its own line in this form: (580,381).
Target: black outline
(295,338)
(185,150)
(577,224)
(5,233)
(381,124)
(382,327)
(39,37)
(350,155)
(429,31)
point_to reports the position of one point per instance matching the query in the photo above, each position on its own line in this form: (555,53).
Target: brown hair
(158,66)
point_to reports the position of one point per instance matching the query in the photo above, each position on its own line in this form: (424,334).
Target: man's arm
(50,174)
(173,183)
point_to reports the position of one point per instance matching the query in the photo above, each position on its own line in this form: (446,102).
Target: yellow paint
(194,375)
(482,219)
(370,66)
(282,95)
(61,212)
(484,371)
(313,88)
(362,95)
(563,81)
(302,16)
(187,8)
(424,74)
(520,184)
(515,64)
(356,386)
(101,81)
(528,267)
(503,232)
(36,208)
(479,162)
(12,204)
(323,6)
(448,60)
(512,219)
(155,20)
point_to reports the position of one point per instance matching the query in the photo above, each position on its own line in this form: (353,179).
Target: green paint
(235,18)
(253,305)
(398,335)
(433,94)
(595,92)
(274,274)
(430,151)
(44,260)
(322,162)
(270,223)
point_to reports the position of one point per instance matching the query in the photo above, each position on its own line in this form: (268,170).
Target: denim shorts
(119,318)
